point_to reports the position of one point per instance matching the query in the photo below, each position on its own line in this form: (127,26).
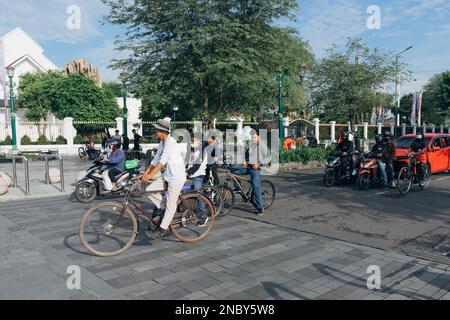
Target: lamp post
(175,109)
(397,85)
(123,76)
(10,74)
(280,107)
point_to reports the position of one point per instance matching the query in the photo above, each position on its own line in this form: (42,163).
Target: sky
(424,24)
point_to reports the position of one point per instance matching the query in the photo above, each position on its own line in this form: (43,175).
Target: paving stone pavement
(241,259)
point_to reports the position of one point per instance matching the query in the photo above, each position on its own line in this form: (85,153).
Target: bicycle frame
(236,180)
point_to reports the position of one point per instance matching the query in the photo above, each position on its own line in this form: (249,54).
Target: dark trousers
(212,168)
(255,176)
(113,173)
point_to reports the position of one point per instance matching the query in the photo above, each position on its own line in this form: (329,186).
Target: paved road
(242,258)
(375,218)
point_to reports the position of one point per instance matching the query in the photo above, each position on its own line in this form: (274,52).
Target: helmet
(378,138)
(387,134)
(115,143)
(345,135)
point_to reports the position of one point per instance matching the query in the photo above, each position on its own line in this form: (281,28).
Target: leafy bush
(78,139)
(61,140)
(42,139)
(305,155)
(26,140)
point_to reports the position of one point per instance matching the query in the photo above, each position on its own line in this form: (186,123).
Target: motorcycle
(90,183)
(335,172)
(368,174)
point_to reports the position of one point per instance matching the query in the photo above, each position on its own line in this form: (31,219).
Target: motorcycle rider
(418,146)
(116,165)
(346,149)
(378,151)
(389,157)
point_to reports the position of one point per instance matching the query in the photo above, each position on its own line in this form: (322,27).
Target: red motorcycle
(369,174)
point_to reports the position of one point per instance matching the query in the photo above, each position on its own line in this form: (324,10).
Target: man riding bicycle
(389,157)
(418,146)
(257,156)
(169,156)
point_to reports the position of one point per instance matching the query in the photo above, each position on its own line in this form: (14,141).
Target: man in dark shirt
(125,143)
(378,151)
(389,157)
(213,153)
(137,140)
(418,146)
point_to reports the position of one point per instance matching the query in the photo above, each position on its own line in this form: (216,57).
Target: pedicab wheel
(108,229)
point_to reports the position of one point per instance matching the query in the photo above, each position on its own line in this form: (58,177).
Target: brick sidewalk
(241,259)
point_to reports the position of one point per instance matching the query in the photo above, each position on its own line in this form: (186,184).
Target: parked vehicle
(90,184)
(335,171)
(369,173)
(437,152)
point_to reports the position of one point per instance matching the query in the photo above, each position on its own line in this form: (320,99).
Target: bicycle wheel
(228,199)
(215,195)
(81,153)
(423,184)
(268,193)
(108,229)
(193,209)
(404,180)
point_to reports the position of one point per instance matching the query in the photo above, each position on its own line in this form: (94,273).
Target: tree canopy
(436,99)
(208,57)
(66,96)
(346,86)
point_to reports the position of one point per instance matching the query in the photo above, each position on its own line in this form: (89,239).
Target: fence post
(433,128)
(317,129)
(286,125)
(349,126)
(68,132)
(393,129)
(403,129)
(214,123)
(414,129)
(380,127)
(442,128)
(424,128)
(333,131)
(366,130)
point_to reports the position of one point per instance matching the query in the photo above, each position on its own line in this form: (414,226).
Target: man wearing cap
(170,157)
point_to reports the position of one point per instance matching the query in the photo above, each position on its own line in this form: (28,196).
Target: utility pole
(397,86)
(280,108)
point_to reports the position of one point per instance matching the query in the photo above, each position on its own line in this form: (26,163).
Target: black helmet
(116,143)
(345,134)
(387,134)
(378,138)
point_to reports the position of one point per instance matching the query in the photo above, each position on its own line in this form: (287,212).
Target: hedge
(305,155)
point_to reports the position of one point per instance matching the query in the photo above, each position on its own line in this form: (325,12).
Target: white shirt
(169,155)
(195,159)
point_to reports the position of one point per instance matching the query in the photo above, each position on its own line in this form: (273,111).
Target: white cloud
(424,7)
(332,22)
(445,29)
(47,20)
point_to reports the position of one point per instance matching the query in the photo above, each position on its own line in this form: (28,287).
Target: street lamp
(280,107)
(10,74)
(175,109)
(397,85)
(123,76)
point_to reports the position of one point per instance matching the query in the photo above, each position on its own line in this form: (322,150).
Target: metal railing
(27,172)
(47,157)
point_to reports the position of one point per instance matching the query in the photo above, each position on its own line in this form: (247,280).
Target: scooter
(91,183)
(369,173)
(335,172)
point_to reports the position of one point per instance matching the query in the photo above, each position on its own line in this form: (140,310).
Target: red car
(437,152)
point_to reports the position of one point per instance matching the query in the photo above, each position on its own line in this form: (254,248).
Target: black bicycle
(241,185)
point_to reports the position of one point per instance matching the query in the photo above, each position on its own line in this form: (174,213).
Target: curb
(301,166)
(6,199)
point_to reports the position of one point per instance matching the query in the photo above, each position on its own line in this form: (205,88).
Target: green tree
(436,99)
(66,96)
(208,57)
(345,85)
(113,88)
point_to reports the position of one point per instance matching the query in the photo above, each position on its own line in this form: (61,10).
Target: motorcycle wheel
(363,181)
(86,192)
(329,178)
